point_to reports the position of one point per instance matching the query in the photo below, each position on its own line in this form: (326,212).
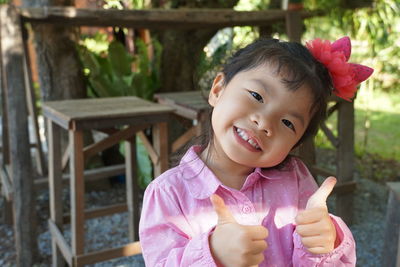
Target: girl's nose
(263,124)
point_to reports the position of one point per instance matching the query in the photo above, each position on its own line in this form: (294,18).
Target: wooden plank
(345,158)
(6,185)
(55,187)
(108,109)
(294,25)
(89,175)
(97,123)
(107,254)
(61,243)
(111,140)
(184,138)
(160,144)
(65,157)
(77,190)
(4,117)
(31,103)
(156,18)
(20,159)
(329,134)
(132,189)
(149,148)
(390,251)
(99,212)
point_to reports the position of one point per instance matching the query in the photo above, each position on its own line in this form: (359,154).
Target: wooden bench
(129,115)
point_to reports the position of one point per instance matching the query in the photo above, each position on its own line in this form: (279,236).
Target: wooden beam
(111,140)
(329,134)
(6,184)
(107,254)
(156,18)
(12,54)
(61,243)
(99,212)
(183,139)
(149,148)
(89,175)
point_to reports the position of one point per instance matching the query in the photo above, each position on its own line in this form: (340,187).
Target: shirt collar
(202,182)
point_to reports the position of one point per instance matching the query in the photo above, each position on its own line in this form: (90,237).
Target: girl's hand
(233,244)
(314,226)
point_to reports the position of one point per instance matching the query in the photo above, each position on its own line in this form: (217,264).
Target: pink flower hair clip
(345,76)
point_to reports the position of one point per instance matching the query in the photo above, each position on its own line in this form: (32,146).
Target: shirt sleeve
(342,256)
(163,233)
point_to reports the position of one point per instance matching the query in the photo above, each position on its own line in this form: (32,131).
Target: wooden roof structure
(158,18)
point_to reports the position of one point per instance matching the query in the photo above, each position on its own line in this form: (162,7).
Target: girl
(241,200)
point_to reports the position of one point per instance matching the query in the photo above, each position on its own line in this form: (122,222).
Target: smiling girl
(242,200)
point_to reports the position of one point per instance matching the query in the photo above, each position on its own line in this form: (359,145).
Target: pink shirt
(178,217)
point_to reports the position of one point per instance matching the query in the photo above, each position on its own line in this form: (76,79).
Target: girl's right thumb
(224,215)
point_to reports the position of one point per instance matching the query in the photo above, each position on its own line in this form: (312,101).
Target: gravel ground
(369,213)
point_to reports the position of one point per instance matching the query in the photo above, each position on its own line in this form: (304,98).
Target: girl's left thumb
(318,199)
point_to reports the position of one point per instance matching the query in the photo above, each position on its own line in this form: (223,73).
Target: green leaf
(119,58)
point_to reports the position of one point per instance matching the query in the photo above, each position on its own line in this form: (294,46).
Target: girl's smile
(247,139)
(256,119)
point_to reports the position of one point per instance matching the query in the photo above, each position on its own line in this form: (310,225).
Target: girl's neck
(230,173)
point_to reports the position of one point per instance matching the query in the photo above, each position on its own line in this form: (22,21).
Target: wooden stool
(189,105)
(135,115)
(391,248)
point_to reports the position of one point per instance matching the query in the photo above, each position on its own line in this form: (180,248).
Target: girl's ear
(216,89)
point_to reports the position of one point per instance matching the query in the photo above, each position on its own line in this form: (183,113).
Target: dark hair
(298,65)
(300,68)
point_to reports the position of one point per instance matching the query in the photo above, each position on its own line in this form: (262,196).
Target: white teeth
(244,136)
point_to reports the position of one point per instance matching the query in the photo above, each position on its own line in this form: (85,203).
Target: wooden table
(191,105)
(126,117)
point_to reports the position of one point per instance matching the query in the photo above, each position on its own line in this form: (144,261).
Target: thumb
(224,215)
(318,199)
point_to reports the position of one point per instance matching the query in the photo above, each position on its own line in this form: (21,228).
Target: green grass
(377,129)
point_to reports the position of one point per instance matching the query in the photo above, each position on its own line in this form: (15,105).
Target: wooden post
(160,143)
(7,209)
(77,190)
(20,158)
(132,188)
(345,158)
(391,248)
(55,187)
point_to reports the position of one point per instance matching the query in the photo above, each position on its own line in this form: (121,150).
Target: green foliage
(110,74)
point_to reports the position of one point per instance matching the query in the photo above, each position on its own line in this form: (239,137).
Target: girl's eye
(257,96)
(288,124)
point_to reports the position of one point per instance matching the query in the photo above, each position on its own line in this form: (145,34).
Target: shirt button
(246,209)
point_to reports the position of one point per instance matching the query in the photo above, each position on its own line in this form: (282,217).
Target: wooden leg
(345,158)
(391,247)
(132,188)
(160,143)
(77,192)
(55,187)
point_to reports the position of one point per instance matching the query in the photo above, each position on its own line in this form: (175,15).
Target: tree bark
(59,67)
(12,51)
(182,49)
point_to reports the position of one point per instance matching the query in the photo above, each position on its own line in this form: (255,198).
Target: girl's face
(256,119)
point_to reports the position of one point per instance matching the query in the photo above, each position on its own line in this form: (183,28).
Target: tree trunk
(59,67)
(12,54)
(182,49)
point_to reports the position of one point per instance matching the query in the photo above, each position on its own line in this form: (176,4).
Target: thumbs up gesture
(314,226)
(233,244)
